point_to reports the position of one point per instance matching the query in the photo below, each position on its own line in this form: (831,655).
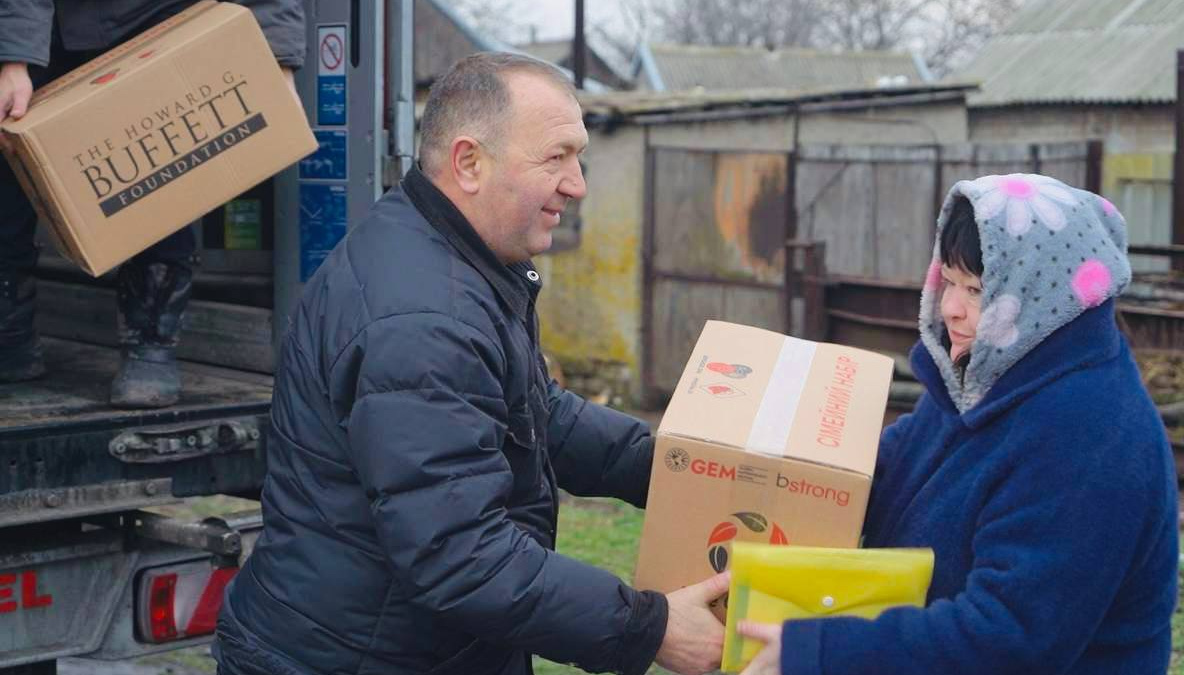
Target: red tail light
(180,601)
(162,599)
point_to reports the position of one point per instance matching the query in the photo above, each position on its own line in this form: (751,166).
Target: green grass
(1177,664)
(600,532)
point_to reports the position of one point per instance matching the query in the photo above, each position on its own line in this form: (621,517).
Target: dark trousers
(18,253)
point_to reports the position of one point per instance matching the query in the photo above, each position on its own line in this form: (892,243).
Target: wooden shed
(718,158)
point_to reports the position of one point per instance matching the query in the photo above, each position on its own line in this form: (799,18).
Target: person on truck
(41,40)
(411,498)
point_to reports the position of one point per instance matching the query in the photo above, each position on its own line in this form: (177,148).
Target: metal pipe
(400,29)
(213,536)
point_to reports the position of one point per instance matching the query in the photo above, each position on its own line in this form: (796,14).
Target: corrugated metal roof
(1082,51)
(620,106)
(685,67)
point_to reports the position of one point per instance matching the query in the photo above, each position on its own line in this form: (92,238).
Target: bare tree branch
(960,29)
(752,23)
(632,26)
(948,31)
(498,19)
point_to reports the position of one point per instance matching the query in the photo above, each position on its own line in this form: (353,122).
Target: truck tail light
(175,602)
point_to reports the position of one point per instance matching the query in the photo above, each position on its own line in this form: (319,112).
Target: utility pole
(578,50)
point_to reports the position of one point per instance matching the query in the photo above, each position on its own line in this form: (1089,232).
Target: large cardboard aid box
(146,138)
(767,438)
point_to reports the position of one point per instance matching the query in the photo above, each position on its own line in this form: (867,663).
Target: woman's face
(961,294)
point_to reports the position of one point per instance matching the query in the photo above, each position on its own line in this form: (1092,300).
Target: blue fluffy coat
(1052,509)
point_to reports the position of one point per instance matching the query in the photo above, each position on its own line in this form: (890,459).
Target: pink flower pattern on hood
(1050,252)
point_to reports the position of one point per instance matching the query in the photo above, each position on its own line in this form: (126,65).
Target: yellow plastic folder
(772,584)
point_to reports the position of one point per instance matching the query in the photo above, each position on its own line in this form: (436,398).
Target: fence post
(814,291)
(1034,157)
(1093,166)
(648,399)
(791,235)
(938,197)
(1178,164)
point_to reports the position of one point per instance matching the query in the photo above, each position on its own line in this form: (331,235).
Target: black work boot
(20,348)
(152,299)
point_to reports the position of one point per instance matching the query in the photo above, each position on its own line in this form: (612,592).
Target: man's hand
(290,78)
(15,91)
(768,661)
(694,642)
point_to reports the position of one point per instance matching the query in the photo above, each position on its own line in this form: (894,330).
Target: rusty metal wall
(715,249)
(717,223)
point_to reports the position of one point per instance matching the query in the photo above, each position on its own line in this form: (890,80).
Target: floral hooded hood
(1049,252)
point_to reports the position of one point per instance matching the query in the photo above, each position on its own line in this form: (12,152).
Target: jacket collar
(516,285)
(1091,338)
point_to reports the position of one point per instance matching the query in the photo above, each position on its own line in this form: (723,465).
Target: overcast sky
(555,19)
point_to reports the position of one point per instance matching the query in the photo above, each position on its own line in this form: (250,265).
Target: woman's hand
(768,661)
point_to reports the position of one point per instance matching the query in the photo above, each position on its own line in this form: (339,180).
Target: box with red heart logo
(767,438)
(149,136)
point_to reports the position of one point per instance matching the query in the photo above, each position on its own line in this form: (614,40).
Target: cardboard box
(767,439)
(131,147)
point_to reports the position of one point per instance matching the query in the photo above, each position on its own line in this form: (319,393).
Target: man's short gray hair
(472,99)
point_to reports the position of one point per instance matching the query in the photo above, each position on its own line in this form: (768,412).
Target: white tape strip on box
(774,418)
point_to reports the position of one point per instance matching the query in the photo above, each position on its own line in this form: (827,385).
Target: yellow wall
(590,307)
(1134,166)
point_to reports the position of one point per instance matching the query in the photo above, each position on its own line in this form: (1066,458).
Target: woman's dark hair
(960,244)
(961,247)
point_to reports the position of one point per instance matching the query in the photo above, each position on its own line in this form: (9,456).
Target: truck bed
(74,392)
(63,444)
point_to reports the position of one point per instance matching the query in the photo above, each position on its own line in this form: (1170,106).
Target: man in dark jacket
(418,445)
(39,41)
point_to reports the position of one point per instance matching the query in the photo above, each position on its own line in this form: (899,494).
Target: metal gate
(713,248)
(717,223)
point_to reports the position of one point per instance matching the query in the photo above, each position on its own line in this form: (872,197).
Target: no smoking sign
(332,102)
(331,50)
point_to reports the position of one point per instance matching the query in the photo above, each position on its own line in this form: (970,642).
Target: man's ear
(467,162)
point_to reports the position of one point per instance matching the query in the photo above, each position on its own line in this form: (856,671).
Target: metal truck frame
(85,569)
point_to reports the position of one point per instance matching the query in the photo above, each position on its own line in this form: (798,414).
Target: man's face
(534,170)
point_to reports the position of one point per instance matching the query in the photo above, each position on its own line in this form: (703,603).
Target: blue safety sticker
(330,161)
(323,222)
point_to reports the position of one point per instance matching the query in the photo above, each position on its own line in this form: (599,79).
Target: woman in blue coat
(1035,465)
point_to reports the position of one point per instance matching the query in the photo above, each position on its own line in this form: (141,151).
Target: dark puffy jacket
(411,497)
(26,26)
